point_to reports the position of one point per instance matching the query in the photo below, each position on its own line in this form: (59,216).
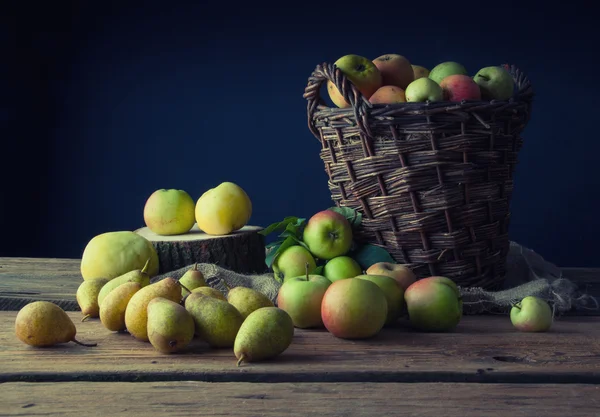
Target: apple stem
(307,269)
(85,344)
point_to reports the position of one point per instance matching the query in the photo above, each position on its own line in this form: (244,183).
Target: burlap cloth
(528,274)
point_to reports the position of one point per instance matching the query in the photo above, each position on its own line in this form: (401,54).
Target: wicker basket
(433,181)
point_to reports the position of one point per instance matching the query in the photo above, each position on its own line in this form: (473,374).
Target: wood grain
(294,399)
(23,280)
(482,349)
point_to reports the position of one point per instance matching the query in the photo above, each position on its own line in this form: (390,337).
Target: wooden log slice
(242,251)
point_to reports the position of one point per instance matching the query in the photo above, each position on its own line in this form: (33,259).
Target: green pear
(112,309)
(210,292)
(217,322)
(393,292)
(246,300)
(170,326)
(137,275)
(87,297)
(136,313)
(43,324)
(266,333)
(191,279)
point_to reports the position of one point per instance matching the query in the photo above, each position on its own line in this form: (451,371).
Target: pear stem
(225,284)
(145,268)
(195,267)
(239,362)
(184,287)
(84,344)
(84,318)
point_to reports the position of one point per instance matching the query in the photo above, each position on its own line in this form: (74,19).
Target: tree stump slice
(242,251)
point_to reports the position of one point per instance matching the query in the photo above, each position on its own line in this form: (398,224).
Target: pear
(43,323)
(246,300)
(191,279)
(266,333)
(137,275)
(112,309)
(170,327)
(217,322)
(136,313)
(87,297)
(210,292)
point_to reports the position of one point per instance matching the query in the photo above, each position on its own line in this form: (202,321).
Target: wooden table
(484,368)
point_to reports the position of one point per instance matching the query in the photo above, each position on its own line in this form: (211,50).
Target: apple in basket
(444,69)
(434,304)
(459,87)
(424,89)
(420,71)
(388,94)
(495,83)
(361,72)
(395,70)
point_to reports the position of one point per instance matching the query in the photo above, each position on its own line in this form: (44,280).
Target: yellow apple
(388,94)
(420,72)
(402,274)
(169,212)
(223,209)
(395,70)
(361,72)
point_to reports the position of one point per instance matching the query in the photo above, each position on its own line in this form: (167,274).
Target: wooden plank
(23,280)
(302,399)
(482,349)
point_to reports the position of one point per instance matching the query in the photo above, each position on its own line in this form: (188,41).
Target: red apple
(388,94)
(459,87)
(395,70)
(434,304)
(354,308)
(402,274)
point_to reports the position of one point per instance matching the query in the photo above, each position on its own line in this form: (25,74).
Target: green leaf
(368,254)
(353,216)
(279,226)
(294,229)
(319,270)
(279,248)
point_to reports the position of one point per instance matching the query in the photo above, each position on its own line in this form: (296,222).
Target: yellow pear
(137,275)
(112,254)
(246,300)
(136,313)
(87,297)
(210,292)
(223,209)
(43,323)
(170,327)
(112,309)
(191,279)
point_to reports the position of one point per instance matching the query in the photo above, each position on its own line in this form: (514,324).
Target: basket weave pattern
(432,180)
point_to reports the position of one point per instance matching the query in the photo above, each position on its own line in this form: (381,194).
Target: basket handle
(329,72)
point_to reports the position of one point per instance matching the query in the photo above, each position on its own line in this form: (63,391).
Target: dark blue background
(104,104)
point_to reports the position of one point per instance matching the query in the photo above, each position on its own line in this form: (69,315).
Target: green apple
(341,267)
(495,83)
(532,314)
(401,273)
(423,89)
(394,295)
(354,309)
(420,71)
(433,304)
(301,298)
(444,69)
(292,262)
(361,72)
(328,234)
(170,212)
